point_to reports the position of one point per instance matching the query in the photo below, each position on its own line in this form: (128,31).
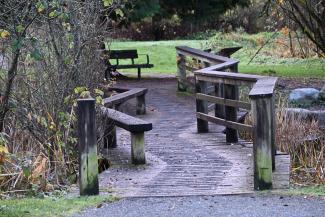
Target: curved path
(180,161)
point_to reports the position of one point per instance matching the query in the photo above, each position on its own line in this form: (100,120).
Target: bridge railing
(218,84)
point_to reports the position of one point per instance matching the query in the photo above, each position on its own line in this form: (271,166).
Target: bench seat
(127,122)
(135,126)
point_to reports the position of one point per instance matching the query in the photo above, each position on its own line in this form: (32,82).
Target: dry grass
(303,140)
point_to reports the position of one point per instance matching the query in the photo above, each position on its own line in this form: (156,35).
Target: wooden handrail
(185,50)
(226,98)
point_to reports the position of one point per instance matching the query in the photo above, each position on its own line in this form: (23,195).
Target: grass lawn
(49,207)
(163,56)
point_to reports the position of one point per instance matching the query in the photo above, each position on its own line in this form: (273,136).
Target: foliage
(161,14)
(50,206)
(48,48)
(308,15)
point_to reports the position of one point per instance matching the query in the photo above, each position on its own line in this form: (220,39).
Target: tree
(51,48)
(194,11)
(309,15)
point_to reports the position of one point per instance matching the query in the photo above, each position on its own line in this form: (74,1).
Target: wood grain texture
(87,142)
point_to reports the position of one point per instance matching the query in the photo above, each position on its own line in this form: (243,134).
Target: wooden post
(273,142)
(231,92)
(141,105)
(262,141)
(219,110)
(88,161)
(181,73)
(137,148)
(201,106)
(110,134)
(231,114)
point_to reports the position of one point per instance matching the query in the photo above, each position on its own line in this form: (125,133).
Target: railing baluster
(231,114)
(202,106)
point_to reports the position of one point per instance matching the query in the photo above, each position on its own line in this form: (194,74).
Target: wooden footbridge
(194,147)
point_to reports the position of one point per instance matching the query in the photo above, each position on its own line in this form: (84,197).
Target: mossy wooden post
(137,148)
(88,161)
(141,105)
(262,141)
(201,106)
(181,72)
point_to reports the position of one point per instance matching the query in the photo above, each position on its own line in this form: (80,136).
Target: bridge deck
(180,161)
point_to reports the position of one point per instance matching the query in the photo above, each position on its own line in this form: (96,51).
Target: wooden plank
(228,51)
(224,122)
(201,55)
(223,101)
(230,75)
(125,121)
(123,97)
(131,66)
(123,54)
(87,141)
(212,79)
(264,87)
(210,89)
(218,67)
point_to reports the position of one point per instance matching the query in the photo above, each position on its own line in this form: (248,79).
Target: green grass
(49,206)
(162,53)
(316,191)
(163,56)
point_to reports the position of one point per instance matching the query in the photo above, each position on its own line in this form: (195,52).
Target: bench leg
(137,148)
(110,136)
(139,73)
(141,105)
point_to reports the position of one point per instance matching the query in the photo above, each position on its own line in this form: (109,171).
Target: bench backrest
(123,54)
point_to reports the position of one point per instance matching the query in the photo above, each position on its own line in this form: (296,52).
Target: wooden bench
(135,126)
(126,94)
(125,54)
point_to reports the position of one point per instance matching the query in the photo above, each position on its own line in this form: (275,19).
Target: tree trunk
(4,100)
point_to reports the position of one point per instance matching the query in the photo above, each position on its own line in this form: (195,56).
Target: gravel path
(248,205)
